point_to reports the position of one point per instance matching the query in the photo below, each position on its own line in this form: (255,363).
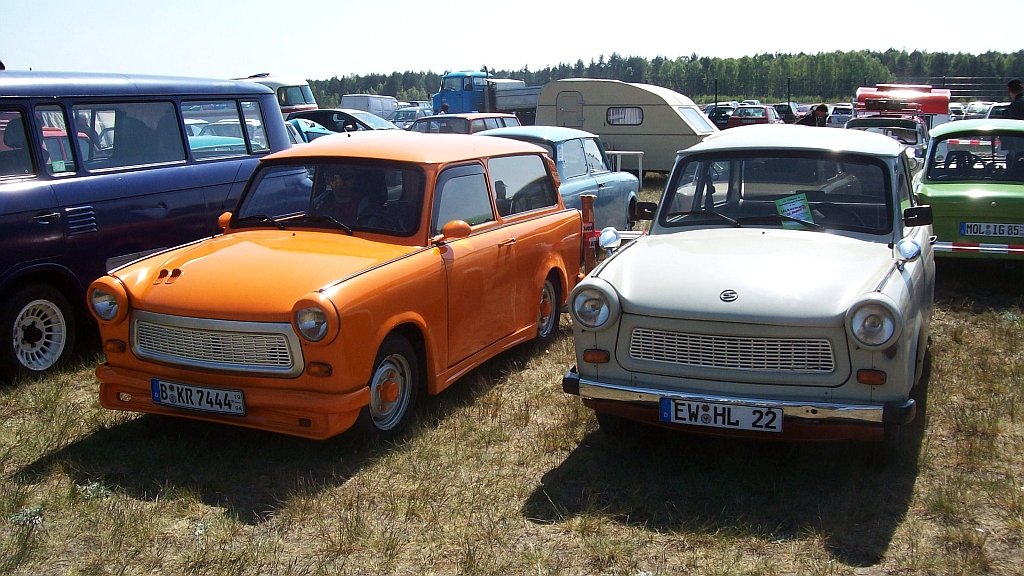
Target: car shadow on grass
(248,473)
(846,493)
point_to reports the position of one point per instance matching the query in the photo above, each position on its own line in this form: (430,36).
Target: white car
(784,290)
(840,115)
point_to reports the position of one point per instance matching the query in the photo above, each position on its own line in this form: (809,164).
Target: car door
(574,174)
(29,215)
(479,268)
(612,188)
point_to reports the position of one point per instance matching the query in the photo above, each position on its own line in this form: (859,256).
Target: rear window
(524,183)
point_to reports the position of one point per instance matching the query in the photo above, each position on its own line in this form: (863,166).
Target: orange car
(356,273)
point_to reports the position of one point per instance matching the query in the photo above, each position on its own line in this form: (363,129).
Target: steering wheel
(842,214)
(963,159)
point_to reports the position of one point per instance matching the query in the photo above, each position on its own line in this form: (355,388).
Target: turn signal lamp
(871,377)
(593,356)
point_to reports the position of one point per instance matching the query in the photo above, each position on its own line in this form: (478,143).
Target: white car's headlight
(594,305)
(590,308)
(311,323)
(873,324)
(104,304)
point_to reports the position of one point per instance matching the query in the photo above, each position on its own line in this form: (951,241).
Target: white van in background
(377,104)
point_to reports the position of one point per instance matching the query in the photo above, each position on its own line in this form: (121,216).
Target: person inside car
(340,198)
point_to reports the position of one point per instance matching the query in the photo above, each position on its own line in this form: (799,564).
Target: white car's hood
(808,278)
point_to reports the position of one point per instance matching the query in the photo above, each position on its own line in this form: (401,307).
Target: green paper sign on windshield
(794,206)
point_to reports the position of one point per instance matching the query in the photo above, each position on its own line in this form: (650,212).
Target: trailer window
(625,116)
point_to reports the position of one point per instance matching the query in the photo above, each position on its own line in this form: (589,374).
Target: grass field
(506,474)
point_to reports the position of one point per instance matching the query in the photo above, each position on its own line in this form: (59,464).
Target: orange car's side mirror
(453,231)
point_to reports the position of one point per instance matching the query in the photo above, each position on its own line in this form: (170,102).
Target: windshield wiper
(782,217)
(259,219)
(324,218)
(720,216)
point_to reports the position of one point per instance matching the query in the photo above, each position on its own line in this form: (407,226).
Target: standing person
(1016,109)
(1012,146)
(816,117)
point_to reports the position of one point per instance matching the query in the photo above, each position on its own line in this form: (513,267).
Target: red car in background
(747,114)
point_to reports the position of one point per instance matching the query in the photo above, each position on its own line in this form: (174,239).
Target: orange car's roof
(402,146)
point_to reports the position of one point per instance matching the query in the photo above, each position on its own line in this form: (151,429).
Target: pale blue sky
(318,39)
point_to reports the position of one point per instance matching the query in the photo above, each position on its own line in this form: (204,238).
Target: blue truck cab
(464,91)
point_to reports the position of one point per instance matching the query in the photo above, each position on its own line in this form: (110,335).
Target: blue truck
(479,91)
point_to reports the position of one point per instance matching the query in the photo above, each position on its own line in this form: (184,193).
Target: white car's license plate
(201,398)
(991,229)
(716,415)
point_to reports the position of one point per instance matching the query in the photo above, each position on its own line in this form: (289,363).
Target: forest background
(821,77)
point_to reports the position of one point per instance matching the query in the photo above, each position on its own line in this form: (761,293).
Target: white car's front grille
(792,355)
(216,344)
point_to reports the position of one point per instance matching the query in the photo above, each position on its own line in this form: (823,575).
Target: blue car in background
(583,168)
(309,130)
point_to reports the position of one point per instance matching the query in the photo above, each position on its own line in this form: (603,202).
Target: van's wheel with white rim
(549,310)
(41,326)
(394,388)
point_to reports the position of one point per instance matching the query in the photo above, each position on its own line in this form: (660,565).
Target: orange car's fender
(403,295)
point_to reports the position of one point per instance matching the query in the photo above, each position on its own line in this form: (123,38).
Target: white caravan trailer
(628,117)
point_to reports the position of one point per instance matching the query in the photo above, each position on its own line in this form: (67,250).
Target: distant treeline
(829,76)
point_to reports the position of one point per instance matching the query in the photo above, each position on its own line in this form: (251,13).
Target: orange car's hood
(251,275)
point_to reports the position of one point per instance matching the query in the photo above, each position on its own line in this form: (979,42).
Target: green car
(974,181)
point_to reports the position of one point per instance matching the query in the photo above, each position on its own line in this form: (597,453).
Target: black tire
(549,311)
(396,373)
(41,324)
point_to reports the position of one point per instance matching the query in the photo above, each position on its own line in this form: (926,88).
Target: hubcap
(546,322)
(39,335)
(389,392)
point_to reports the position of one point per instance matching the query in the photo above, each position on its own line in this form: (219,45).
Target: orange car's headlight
(108,300)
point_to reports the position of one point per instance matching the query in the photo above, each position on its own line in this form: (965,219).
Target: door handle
(48,218)
(508,242)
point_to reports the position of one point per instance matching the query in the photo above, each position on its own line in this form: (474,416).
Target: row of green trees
(826,76)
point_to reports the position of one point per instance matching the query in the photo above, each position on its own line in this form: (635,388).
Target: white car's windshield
(811,192)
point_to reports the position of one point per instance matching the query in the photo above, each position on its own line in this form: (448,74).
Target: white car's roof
(796,137)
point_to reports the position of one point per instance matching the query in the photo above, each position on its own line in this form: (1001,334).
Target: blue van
(97,170)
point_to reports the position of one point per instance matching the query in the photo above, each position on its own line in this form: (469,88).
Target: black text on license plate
(991,229)
(201,398)
(720,415)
